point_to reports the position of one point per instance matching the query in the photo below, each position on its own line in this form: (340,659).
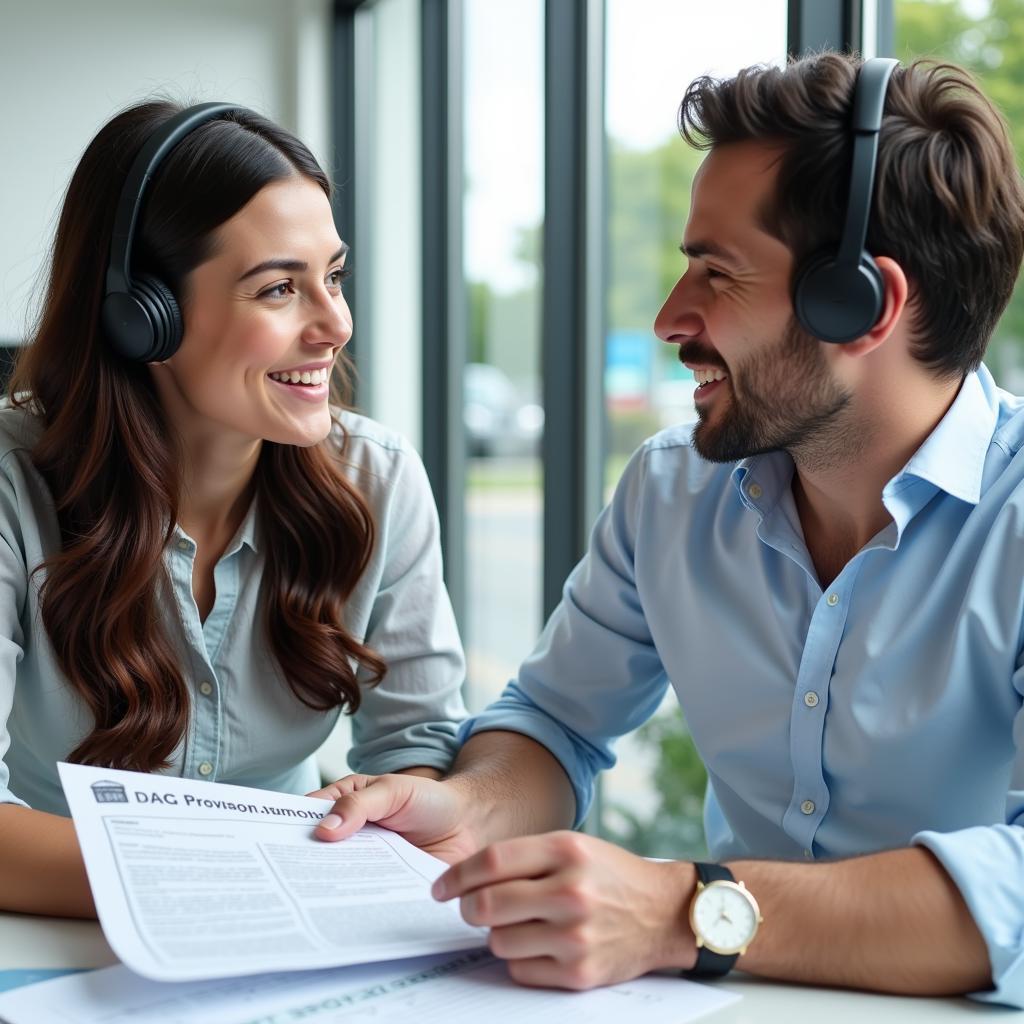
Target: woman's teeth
(305,377)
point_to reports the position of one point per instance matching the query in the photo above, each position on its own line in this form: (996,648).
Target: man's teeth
(305,377)
(707,376)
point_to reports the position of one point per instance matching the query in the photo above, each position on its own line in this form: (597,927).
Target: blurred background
(514,190)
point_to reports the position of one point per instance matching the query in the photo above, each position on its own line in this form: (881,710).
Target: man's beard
(783,400)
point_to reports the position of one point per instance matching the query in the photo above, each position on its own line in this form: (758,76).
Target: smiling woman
(206,560)
(251,322)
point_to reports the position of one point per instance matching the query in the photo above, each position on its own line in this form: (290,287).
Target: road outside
(503,613)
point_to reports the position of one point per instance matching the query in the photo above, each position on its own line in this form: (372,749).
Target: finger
(525,857)
(507,903)
(525,941)
(338,789)
(547,972)
(377,801)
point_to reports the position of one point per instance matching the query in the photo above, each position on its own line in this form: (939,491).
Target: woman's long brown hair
(112,465)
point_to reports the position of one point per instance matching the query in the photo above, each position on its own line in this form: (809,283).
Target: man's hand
(571,911)
(431,815)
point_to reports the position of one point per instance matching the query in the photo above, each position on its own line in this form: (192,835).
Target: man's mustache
(695,352)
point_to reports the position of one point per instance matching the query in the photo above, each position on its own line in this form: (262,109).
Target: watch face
(724,917)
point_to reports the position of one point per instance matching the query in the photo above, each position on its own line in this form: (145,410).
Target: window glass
(389,251)
(504,171)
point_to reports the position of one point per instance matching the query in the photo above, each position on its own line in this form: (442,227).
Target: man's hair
(948,204)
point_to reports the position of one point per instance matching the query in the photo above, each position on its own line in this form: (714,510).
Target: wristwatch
(724,918)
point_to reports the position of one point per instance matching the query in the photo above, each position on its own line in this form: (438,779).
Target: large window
(511,94)
(984,36)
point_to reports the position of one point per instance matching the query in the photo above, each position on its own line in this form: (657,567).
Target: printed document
(466,988)
(196,880)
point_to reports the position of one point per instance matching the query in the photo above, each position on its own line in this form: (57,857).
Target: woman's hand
(431,815)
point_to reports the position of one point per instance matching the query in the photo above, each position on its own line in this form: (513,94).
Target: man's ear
(894,303)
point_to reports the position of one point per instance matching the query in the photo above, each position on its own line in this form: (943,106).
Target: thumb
(377,801)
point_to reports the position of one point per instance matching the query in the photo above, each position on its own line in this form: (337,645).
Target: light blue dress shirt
(882,711)
(245,724)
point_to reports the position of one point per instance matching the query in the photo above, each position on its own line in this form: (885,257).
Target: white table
(47,942)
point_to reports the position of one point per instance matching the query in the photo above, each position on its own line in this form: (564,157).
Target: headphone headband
(140,315)
(868,101)
(148,159)
(838,294)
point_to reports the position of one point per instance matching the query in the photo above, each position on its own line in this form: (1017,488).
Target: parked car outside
(497,419)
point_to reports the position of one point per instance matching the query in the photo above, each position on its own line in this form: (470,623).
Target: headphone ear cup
(838,303)
(127,324)
(144,324)
(164,314)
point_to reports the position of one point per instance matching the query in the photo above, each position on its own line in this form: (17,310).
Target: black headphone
(838,296)
(140,315)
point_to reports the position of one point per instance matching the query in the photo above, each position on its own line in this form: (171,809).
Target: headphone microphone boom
(838,295)
(140,315)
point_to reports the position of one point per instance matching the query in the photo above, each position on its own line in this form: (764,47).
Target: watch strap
(709,963)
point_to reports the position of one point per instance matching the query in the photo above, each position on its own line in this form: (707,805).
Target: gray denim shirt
(245,724)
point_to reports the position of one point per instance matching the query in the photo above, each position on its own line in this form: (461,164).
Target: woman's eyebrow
(292,265)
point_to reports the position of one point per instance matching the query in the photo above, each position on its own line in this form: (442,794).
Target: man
(829,572)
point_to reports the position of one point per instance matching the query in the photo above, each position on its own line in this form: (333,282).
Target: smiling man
(828,570)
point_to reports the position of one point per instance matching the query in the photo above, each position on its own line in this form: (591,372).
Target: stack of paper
(195,883)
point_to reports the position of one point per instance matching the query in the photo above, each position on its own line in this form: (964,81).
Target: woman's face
(264,320)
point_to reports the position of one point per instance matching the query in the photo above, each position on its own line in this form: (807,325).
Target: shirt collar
(247,531)
(245,534)
(952,457)
(769,476)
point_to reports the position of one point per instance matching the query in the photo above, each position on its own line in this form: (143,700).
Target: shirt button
(205,768)
(807,854)
(810,699)
(833,600)
(205,688)
(754,490)
(183,545)
(807,806)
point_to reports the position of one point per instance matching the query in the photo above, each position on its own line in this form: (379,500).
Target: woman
(202,563)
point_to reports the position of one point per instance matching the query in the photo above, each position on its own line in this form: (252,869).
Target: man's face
(763,383)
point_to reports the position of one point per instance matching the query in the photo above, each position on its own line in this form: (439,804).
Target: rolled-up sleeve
(411,718)
(595,674)
(986,863)
(13,587)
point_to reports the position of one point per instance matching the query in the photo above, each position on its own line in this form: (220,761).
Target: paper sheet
(197,880)
(464,989)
